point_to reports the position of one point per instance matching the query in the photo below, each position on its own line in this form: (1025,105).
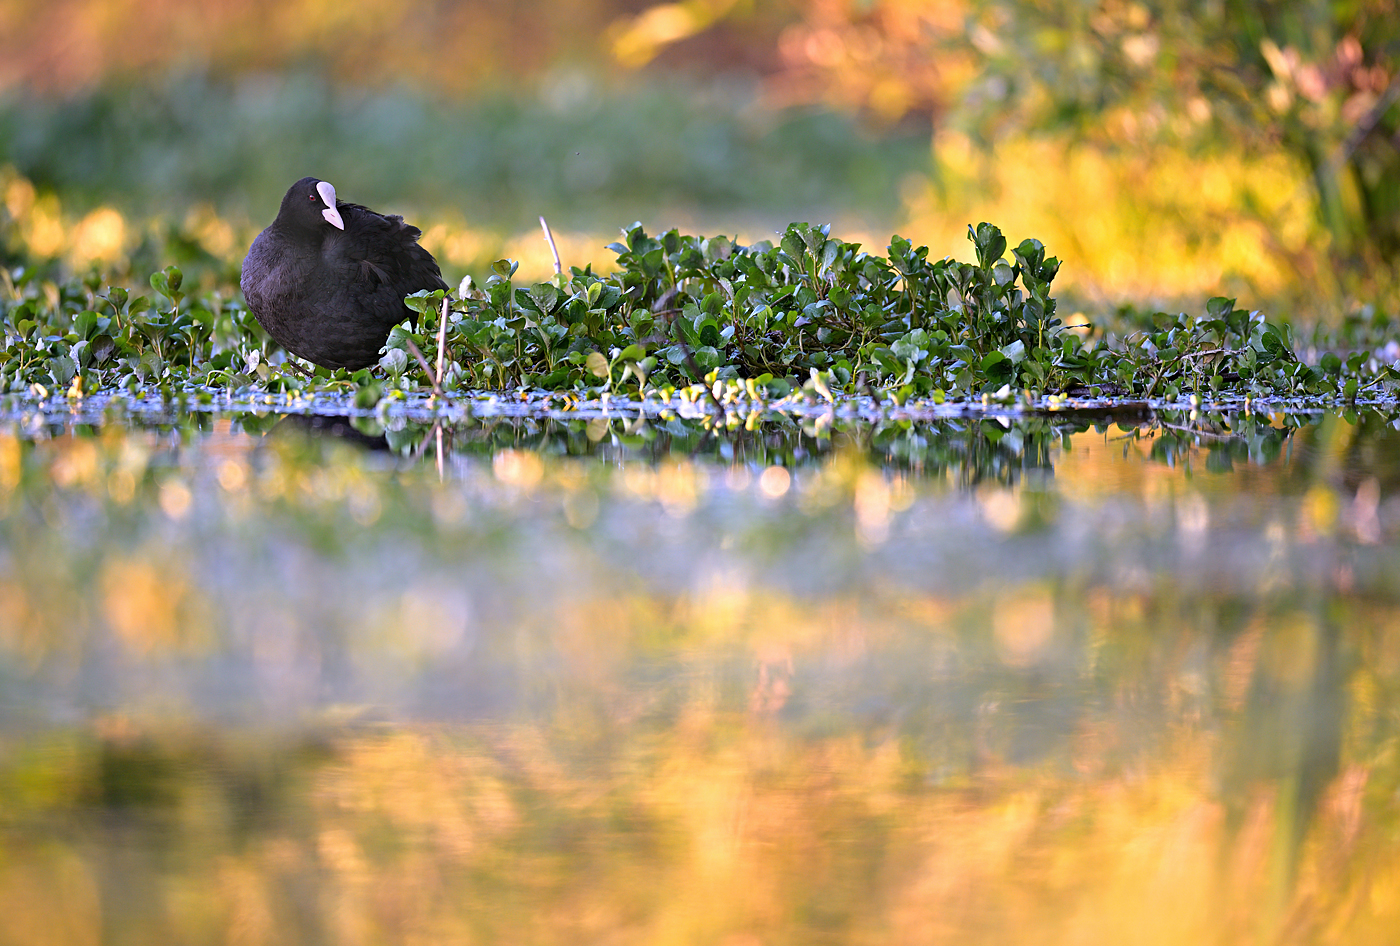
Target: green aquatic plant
(810,315)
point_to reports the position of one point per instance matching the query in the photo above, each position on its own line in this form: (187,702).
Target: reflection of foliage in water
(608,690)
(966,449)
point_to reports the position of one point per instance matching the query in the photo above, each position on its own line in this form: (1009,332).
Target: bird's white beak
(327,192)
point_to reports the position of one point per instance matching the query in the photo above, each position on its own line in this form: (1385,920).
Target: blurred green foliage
(573,149)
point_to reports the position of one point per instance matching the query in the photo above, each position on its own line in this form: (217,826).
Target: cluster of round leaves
(809,313)
(818,313)
(809,310)
(73,336)
(1229,351)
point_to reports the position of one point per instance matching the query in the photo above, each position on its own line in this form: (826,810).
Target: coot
(327,278)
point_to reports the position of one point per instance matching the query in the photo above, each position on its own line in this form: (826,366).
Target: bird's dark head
(310,205)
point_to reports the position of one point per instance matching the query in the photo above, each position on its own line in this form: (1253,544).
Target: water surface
(1017,679)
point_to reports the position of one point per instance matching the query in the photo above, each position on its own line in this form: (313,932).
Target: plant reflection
(1049,678)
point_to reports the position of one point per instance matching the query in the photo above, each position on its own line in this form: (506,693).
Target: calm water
(980,679)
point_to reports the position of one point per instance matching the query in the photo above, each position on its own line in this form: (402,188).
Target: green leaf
(793,244)
(100,349)
(545,296)
(1220,307)
(991,360)
(707,357)
(394,361)
(84,323)
(990,244)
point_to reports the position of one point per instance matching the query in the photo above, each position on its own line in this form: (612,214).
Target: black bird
(327,278)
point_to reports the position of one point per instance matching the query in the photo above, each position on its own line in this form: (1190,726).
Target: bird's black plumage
(327,278)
